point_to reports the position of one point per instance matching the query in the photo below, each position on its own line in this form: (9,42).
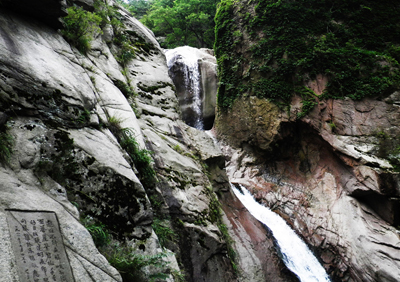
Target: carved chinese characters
(38,247)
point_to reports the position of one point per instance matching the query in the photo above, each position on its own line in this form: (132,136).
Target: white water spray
(185,54)
(296,255)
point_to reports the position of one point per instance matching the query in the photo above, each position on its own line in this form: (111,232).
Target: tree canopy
(138,8)
(178,22)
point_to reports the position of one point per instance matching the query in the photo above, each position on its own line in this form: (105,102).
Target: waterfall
(295,253)
(188,61)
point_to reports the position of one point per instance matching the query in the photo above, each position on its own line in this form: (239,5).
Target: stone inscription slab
(38,247)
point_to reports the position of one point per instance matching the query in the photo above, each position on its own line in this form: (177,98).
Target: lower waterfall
(295,253)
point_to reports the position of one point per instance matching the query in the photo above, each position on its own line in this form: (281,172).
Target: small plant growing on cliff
(6,142)
(163,231)
(114,124)
(178,149)
(126,89)
(80,27)
(99,232)
(141,157)
(131,265)
(332,126)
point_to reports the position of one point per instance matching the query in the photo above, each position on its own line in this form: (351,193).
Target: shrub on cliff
(80,27)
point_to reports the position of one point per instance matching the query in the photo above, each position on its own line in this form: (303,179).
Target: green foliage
(178,148)
(141,158)
(355,44)
(132,266)
(114,124)
(230,86)
(6,143)
(163,231)
(129,264)
(104,11)
(216,217)
(332,125)
(138,8)
(110,15)
(182,22)
(306,107)
(129,43)
(99,232)
(84,117)
(382,135)
(79,28)
(126,89)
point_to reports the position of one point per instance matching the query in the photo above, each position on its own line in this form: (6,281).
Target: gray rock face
(57,105)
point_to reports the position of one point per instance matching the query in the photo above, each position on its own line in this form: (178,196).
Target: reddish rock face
(255,246)
(330,175)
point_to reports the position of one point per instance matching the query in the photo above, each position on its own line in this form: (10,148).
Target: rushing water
(185,55)
(295,253)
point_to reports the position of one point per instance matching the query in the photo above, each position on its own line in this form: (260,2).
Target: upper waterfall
(191,80)
(194,74)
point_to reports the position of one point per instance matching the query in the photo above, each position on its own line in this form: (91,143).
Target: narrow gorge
(119,159)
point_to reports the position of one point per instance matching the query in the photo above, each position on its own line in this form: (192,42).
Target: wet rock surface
(334,184)
(180,62)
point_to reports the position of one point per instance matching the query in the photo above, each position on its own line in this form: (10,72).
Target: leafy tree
(138,8)
(183,22)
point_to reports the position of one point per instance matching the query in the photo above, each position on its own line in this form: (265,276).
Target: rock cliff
(76,132)
(329,166)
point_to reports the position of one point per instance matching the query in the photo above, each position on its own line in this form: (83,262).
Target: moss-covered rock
(273,49)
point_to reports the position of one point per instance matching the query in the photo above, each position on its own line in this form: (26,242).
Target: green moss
(355,44)
(126,89)
(141,158)
(6,143)
(215,215)
(59,161)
